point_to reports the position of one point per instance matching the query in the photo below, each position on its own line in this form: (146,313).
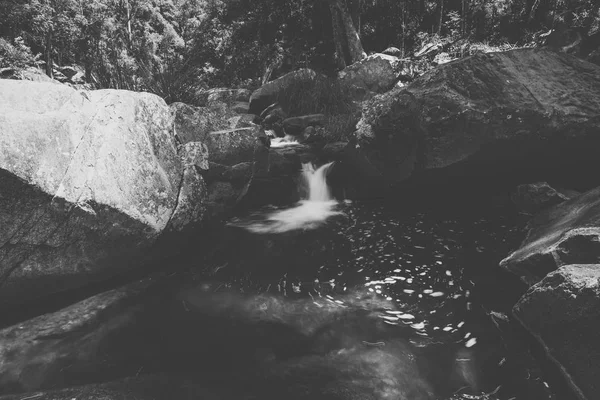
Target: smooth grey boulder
(563,313)
(568,233)
(88,181)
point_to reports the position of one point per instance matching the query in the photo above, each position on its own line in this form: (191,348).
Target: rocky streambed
(118,279)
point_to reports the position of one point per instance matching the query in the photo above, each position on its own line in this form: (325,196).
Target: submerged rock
(510,114)
(568,233)
(59,347)
(144,387)
(563,314)
(534,197)
(88,180)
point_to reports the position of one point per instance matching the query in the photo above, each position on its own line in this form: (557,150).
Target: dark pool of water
(377,303)
(421,288)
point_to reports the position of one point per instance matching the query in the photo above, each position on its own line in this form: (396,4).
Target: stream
(338,300)
(370,300)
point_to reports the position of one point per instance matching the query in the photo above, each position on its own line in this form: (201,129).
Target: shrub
(174,81)
(17,55)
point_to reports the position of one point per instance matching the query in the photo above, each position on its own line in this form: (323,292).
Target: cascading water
(307,214)
(316,181)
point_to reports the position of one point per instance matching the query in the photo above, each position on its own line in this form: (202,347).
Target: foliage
(16,55)
(173,47)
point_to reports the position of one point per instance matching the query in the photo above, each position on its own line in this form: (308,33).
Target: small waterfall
(316,182)
(309,213)
(286,141)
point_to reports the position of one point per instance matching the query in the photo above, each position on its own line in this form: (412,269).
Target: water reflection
(429,281)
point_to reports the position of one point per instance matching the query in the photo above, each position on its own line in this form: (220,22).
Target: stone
(335,149)
(594,57)
(509,115)
(89,181)
(221,196)
(142,387)
(392,51)
(240,107)
(193,124)
(562,312)
(27,74)
(232,146)
(568,233)
(241,171)
(296,125)
(534,197)
(376,73)
(224,95)
(194,154)
(191,201)
(241,121)
(42,352)
(269,92)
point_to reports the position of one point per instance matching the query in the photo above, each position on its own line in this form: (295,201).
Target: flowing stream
(338,300)
(382,302)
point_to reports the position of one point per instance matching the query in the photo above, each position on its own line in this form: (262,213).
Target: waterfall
(309,213)
(316,182)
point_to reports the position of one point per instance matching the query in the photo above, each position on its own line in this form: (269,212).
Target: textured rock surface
(568,233)
(268,93)
(376,73)
(192,124)
(534,197)
(563,313)
(44,351)
(144,387)
(488,114)
(88,180)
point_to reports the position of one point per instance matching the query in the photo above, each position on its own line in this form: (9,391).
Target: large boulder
(568,233)
(563,313)
(268,94)
(60,347)
(88,181)
(193,124)
(376,73)
(497,114)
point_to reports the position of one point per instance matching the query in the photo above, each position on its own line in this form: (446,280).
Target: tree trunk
(441,7)
(355,13)
(345,36)
(338,38)
(49,60)
(463,28)
(128,21)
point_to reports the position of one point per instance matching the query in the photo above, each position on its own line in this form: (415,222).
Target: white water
(307,214)
(284,142)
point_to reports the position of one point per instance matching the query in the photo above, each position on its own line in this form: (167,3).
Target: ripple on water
(415,264)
